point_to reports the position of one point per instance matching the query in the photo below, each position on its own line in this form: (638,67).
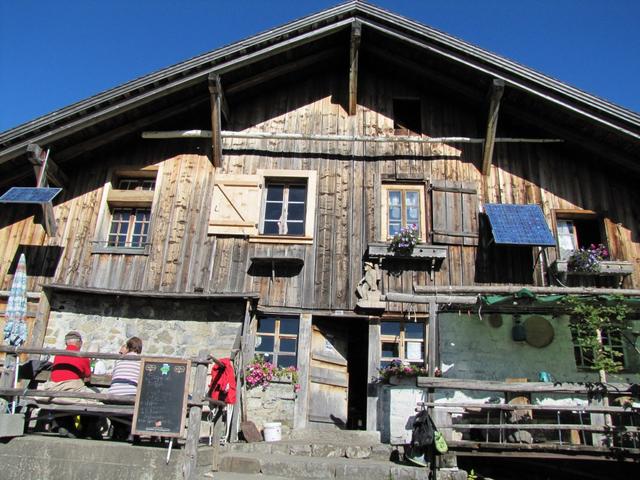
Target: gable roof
(313,35)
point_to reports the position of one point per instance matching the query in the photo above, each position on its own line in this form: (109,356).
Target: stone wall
(275,404)
(166,327)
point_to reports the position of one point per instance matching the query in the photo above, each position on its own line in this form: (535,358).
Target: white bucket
(272,432)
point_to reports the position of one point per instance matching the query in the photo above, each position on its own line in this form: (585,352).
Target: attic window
(407,119)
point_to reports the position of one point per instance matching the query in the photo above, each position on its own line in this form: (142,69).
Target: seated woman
(124,381)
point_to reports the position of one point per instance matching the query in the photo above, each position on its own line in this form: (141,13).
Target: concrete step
(239,476)
(299,467)
(328,449)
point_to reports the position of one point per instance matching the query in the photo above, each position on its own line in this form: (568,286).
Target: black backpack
(423,430)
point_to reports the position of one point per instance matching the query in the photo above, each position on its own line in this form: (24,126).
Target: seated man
(69,374)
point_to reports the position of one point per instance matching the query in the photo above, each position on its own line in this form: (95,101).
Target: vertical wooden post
(356,35)
(497,89)
(245,356)
(40,324)
(39,158)
(372,372)
(195,418)
(301,408)
(431,367)
(215,92)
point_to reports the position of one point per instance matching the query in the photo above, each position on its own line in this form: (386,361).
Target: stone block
(370,472)
(288,467)
(381,452)
(240,464)
(451,474)
(357,451)
(327,450)
(409,473)
(301,450)
(11,425)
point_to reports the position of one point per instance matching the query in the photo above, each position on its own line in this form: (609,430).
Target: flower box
(607,268)
(421,252)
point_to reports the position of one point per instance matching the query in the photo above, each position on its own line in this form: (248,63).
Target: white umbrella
(15,330)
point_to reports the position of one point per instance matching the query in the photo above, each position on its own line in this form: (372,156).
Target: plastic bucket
(272,432)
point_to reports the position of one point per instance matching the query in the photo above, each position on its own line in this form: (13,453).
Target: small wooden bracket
(43,168)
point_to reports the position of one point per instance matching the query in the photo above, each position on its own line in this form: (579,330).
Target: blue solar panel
(519,225)
(29,195)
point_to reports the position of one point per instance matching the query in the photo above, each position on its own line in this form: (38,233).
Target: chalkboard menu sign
(161,400)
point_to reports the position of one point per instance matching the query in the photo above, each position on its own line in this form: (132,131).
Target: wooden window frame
(131,225)
(289,176)
(286,183)
(403,187)
(277,337)
(577,214)
(136,199)
(401,341)
(614,341)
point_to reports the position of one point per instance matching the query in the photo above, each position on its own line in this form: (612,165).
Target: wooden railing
(124,404)
(588,427)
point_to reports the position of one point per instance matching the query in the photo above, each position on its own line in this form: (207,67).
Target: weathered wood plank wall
(183,258)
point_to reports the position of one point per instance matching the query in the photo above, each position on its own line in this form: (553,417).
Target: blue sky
(56,52)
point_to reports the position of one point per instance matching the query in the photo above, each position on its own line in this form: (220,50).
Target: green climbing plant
(590,317)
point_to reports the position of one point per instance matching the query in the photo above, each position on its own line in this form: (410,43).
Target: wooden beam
(522,387)
(40,160)
(507,290)
(160,135)
(215,96)
(427,299)
(38,157)
(497,90)
(356,36)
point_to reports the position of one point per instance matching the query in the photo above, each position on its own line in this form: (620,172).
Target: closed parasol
(15,329)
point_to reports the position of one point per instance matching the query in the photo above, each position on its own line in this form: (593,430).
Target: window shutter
(454,218)
(235,205)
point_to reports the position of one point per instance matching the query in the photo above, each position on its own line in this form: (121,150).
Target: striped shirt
(124,378)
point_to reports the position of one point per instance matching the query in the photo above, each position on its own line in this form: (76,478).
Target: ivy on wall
(590,317)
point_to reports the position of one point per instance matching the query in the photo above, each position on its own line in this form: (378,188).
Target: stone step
(292,466)
(327,449)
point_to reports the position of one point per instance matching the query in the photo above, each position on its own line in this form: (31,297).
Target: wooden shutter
(454,218)
(235,205)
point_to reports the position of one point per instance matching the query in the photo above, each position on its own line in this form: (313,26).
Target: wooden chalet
(244,201)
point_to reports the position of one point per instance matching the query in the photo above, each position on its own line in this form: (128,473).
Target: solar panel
(29,195)
(519,225)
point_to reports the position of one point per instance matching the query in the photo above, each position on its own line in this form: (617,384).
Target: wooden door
(328,375)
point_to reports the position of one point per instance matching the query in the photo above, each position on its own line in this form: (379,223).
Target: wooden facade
(534,161)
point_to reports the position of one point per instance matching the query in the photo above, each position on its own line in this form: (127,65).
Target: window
(129,227)
(577,229)
(404,340)
(277,340)
(136,184)
(286,200)
(403,205)
(284,208)
(124,225)
(407,117)
(611,339)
